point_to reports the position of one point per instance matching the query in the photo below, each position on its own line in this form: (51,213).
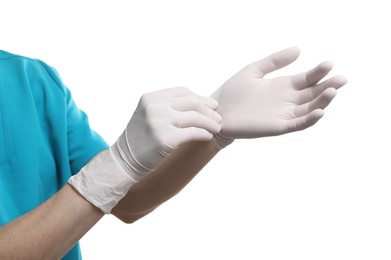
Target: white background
(323,193)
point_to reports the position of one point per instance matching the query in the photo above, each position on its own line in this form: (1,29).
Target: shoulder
(14,66)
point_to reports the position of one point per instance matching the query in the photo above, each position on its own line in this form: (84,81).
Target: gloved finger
(276,61)
(209,102)
(320,102)
(301,123)
(308,94)
(311,77)
(185,92)
(195,103)
(195,119)
(175,92)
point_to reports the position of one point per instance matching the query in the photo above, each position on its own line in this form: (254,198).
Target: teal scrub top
(44,137)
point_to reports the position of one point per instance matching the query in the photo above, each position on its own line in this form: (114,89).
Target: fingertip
(293,52)
(216,117)
(295,49)
(319,112)
(341,80)
(207,136)
(214,128)
(218,129)
(326,65)
(209,102)
(336,82)
(314,117)
(276,60)
(330,93)
(213,103)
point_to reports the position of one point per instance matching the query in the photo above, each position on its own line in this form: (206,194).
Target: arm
(165,119)
(162,122)
(175,172)
(251,107)
(50,230)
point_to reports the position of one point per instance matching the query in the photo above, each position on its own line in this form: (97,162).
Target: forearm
(171,177)
(50,230)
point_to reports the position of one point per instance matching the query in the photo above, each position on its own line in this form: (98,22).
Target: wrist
(220,141)
(125,157)
(103,181)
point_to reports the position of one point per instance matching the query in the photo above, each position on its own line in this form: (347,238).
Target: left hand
(252,106)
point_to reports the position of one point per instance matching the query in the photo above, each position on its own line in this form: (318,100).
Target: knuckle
(179,90)
(149,110)
(195,102)
(183,89)
(145,99)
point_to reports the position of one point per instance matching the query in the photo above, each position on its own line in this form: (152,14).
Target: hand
(252,106)
(164,120)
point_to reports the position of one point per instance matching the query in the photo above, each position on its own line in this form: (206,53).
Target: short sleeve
(44,137)
(82,141)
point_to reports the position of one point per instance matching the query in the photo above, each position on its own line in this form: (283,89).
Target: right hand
(163,121)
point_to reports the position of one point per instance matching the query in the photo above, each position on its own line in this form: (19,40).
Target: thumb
(276,61)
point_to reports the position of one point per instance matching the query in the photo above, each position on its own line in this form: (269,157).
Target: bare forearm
(51,229)
(171,177)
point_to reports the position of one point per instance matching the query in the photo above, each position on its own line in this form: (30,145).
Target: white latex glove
(162,121)
(252,106)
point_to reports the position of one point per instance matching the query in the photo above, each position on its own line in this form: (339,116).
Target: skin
(171,177)
(298,103)
(51,229)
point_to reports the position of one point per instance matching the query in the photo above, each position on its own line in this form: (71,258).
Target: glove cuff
(103,181)
(124,155)
(219,141)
